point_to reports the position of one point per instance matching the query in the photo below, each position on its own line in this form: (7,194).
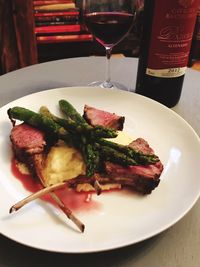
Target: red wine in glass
(109,28)
(109,22)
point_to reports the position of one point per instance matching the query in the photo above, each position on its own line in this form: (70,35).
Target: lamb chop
(96,116)
(143,178)
(29,147)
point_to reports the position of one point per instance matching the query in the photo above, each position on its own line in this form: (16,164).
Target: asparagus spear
(91,158)
(71,112)
(80,127)
(139,157)
(112,155)
(60,126)
(37,120)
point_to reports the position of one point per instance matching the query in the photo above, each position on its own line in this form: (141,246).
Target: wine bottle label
(171,37)
(166,73)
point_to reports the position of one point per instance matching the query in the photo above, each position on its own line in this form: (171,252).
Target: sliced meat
(143,178)
(100,117)
(141,145)
(26,141)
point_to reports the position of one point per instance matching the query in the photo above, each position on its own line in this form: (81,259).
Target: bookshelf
(59,33)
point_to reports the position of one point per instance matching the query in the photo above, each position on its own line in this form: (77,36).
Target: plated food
(80,151)
(115,218)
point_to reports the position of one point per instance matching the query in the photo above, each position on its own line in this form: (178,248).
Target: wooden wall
(17,38)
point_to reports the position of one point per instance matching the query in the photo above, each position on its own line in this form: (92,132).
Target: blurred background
(35,31)
(44,30)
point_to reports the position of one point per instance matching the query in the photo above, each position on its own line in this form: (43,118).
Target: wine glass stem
(107,82)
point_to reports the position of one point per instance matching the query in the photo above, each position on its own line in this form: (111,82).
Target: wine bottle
(165,45)
(195,48)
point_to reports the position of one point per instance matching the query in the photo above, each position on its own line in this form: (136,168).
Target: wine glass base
(109,85)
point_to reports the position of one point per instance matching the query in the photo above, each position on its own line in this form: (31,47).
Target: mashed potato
(62,163)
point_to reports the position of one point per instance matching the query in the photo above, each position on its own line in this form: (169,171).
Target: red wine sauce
(73,200)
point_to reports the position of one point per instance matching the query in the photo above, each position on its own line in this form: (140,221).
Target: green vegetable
(75,127)
(91,158)
(71,112)
(139,157)
(32,118)
(111,154)
(42,122)
(89,140)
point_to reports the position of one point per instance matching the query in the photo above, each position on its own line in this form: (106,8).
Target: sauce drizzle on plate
(73,200)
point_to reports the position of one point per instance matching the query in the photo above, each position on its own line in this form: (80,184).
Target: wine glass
(109,21)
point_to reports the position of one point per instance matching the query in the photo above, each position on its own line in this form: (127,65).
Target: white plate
(122,219)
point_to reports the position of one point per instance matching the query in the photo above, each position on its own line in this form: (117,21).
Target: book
(64,38)
(55,7)
(52,23)
(49,2)
(75,28)
(49,15)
